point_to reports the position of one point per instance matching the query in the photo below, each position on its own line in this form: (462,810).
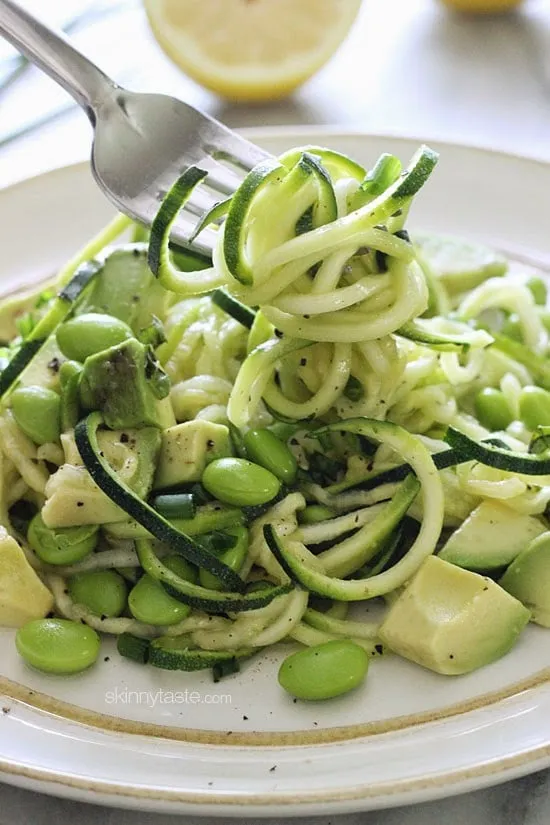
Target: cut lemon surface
(482,6)
(251,49)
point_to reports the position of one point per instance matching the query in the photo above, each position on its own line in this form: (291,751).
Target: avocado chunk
(131,453)
(451,620)
(125,382)
(528,579)
(460,265)
(73,498)
(23,595)
(127,289)
(186,450)
(490,538)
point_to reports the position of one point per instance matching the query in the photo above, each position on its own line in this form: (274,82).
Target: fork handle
(53,53)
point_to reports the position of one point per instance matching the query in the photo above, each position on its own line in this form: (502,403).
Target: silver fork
(142,142)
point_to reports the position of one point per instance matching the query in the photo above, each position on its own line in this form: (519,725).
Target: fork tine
(235,150)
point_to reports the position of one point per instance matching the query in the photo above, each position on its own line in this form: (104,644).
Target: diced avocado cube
(132,453)
(73,498)
(126,383)
(491,537)
(186,450)
(451,620)
(461,265)
(127,289)
(23,595)
(528,579)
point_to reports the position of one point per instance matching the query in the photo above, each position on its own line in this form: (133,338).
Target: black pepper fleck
(80,504)
(273,769)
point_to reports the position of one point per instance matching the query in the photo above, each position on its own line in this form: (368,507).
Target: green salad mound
(206,457)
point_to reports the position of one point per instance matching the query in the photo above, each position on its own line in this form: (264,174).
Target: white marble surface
(408,67)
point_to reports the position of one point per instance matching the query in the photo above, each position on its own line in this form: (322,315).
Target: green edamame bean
(68,370)
(90,333)
(234,558)
(315,513)
(240,482)
(101,591)
(538,289)
(263,447)
(64,545)
(57,645)
(512,328)
(492,409)
(150,603)
(37,411)
(534,407)
(324,671)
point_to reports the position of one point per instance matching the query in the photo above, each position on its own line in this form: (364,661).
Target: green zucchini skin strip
(159,242)
(239,312)
(497,457)
(235,224)
(117,491)
(345,558)
(442,460)
(419,332)
(307,569)
(201,598)
(216,213)
(333,161)
(325,209)
(164,653)
(62,306)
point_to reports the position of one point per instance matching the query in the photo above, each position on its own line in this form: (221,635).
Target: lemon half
(482,6)
(251,49)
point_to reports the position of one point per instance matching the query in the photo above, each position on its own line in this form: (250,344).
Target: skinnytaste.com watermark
(152,698)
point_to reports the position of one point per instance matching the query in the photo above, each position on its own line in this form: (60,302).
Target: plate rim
(402,791)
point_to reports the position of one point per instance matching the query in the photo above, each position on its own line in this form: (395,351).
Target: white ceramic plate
(138,737)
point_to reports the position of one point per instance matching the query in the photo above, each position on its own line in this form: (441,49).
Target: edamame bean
(57,645)
(64,545)
(325,670)
(492,409)
(101,591)
(240,482)
(538,289)
(534,407)
(234,558)
(315,513)
(90,333)
(263,447)
(150,603)
(37,411)
(68,370)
